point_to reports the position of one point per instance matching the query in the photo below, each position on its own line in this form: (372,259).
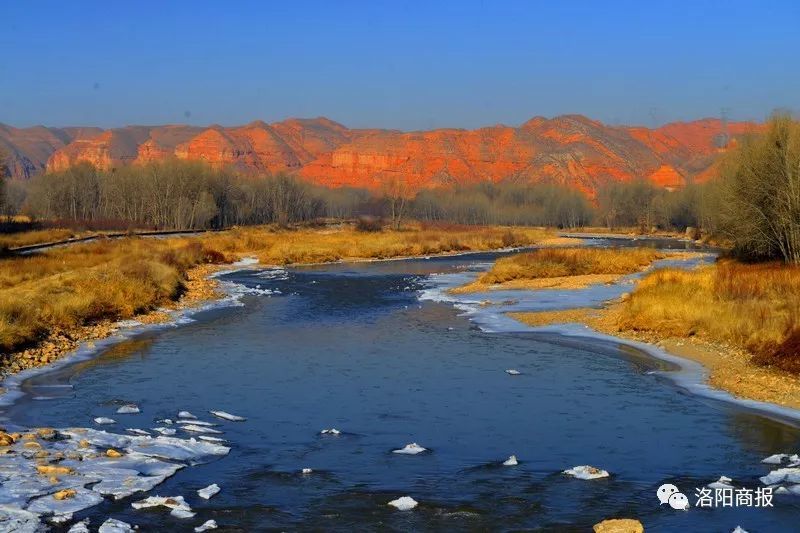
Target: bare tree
(397,193)
(760,188)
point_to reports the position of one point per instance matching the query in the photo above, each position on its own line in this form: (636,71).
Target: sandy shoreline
(729,367)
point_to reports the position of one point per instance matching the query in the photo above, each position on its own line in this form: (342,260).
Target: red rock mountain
(570,149)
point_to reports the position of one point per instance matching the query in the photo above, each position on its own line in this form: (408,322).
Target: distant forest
(177,194)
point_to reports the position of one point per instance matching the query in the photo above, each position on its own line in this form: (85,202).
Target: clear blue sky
(406,65)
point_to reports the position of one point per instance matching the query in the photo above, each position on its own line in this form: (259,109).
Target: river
(380,352)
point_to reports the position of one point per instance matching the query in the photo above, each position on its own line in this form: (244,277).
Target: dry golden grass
(320,246)
(26,238)
(755,307)
(68,287)
(560,262)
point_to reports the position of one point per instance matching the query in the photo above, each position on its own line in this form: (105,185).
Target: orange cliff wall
(571,150)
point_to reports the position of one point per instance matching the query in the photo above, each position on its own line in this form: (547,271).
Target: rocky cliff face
(571,150)
(27,149)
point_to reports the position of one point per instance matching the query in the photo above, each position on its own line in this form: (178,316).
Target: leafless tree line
(505,203)
(171,194)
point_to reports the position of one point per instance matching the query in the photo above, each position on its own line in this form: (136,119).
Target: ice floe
(137,431)
(91,464)
(176,504)
(513,372)
(104,420)
(405,503)
(97,437)
(186,414)
(586,472)
(205,526)
(196,422)
(18,520)
(331,431)
(80,527)
(410,449)
(776,459)
(211,439)
(61,509)
(739,529)
(128,409)
(165,431)
(306,471)
(199,429)
(227,416)
(113,525)
(724,482)
(511,461)
(791,475)
(209,491)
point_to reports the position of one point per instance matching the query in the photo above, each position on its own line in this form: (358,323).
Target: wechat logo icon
(670,495)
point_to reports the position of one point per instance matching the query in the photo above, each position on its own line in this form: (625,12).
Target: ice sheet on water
(104,420)
(143,464)
(186,414)
(19,489)
(780,475)
(586,472)
(199,429)
(80,527)
(274,273)
(113,525)
(177,505)
(18,520)
(776,459)
(228,416)
(128,409)
(180,513)
(99,438)
(405,503)
(122,482)
(511,461)
(724,482)
(211,439)
(172,448)
(64,509)
(196,422)
(410,449)
(205,526)
(165,431)
(136,431)
(209,491)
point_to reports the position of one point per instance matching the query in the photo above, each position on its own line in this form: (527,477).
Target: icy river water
(380,352)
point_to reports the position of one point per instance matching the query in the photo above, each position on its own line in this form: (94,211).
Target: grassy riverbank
(26,238)
(50,300)
(742,321)
(563,268)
